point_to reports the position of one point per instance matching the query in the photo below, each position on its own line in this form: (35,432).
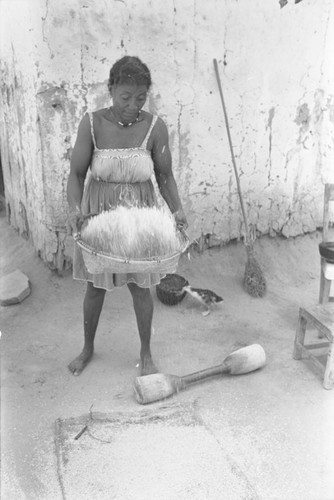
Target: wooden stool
(322,318)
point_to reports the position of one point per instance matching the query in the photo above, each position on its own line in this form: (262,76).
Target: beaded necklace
(127,124)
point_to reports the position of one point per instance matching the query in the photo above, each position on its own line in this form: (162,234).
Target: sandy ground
(270,431)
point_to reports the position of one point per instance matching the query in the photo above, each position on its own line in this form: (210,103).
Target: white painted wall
(278,86)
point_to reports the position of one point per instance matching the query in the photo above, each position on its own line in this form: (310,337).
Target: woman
(123,146)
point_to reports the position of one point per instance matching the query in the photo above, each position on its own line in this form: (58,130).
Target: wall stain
(303,116)
(44,20)
(269,126)
(23,213)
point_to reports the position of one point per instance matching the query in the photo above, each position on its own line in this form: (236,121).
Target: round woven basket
(169,290)
(99,262)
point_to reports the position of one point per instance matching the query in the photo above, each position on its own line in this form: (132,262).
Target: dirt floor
(266,435)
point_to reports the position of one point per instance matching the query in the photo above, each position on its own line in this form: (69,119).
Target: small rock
(40,379)
(14,288)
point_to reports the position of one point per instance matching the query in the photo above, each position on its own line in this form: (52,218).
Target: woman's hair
(129,70)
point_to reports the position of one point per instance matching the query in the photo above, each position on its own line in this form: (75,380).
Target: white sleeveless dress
(117,177)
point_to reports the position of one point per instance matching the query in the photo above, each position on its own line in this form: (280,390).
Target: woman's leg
(92,307)
(143,306)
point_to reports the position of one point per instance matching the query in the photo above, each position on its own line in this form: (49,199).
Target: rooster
(205,297)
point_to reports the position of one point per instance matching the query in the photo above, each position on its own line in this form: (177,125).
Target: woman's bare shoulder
(160,130)
(100,113)
(84,125)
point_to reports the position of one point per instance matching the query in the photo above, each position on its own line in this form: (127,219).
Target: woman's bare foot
(78,364)
(147,367)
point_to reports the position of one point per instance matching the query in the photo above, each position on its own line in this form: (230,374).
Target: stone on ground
(14,288)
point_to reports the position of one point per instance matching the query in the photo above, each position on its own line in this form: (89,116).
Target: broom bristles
(254,281)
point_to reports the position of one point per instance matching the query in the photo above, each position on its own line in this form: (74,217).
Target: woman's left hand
(180,219)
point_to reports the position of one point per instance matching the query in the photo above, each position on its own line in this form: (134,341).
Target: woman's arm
(162,160)
(80,161)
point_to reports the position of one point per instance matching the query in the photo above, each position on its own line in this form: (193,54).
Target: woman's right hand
(75,220)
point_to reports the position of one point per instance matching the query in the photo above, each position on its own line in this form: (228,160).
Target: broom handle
(231,149)
(208,372)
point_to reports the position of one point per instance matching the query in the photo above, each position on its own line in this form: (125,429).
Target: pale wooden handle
(231,149)
(202,374)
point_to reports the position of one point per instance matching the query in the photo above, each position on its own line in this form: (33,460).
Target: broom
(254,281)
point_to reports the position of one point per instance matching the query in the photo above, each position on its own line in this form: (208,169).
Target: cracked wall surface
(277,82)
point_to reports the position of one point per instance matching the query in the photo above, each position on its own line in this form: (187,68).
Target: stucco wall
(278,86)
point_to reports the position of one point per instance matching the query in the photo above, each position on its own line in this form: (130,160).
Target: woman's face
(128,99)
